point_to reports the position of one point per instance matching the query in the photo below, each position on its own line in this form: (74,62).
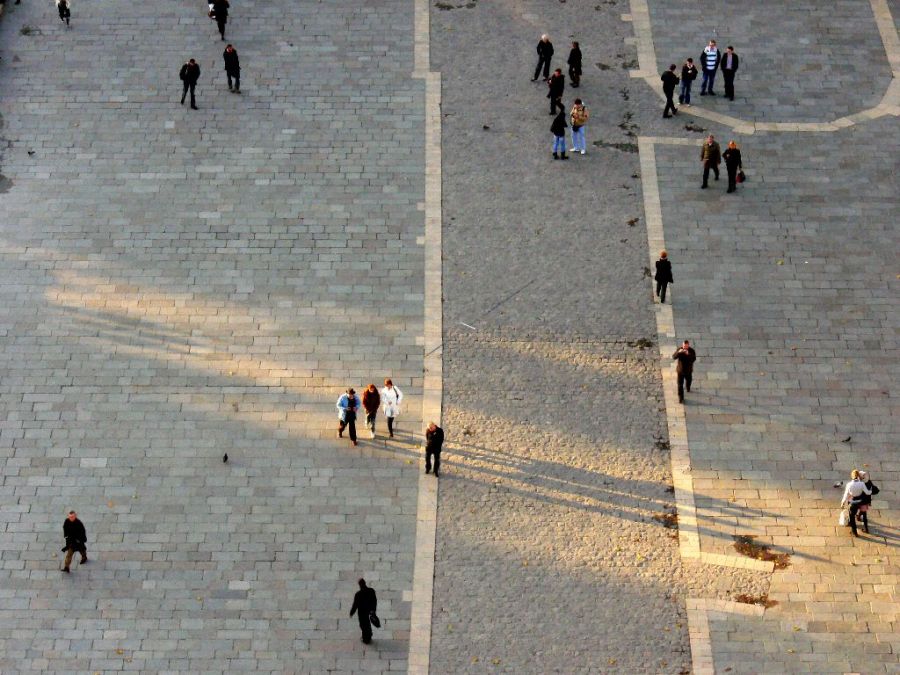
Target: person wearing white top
(855,489)
(391,397)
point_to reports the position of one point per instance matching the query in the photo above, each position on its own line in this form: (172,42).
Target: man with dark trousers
(663,275)
(220,13)
(710,157)
(364,605)
(76,540)
(557,85)
(670,81)
(730,63)
(434,439)
(190,73)
(685,355)
(232,68)
(545,53)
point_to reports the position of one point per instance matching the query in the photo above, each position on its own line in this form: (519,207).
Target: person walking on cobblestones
(371,401)
(545,53)
(669,82)
(578,117)
(556,85)
(190,73)
(391,398)
(688,75)
(709,62)
(558,129)
(732,157)
(685,355)
(434,439)
(365,604)
(853,495)
(348,405)
(76,540)
(232,68)
(663,275)
(64,7)
(220,14)
(729,68)
(575,65)
(710,157)
(865,501)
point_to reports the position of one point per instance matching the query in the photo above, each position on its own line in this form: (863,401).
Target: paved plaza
(380,200)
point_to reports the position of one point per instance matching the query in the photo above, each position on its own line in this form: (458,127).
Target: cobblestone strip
(889,104)
(426,511)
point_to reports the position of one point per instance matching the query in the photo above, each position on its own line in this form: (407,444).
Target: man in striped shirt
(709,62)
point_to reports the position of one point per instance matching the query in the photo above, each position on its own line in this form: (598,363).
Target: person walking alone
(64,7)
(434,439)
(190,73)
(732,157)
(348,405)
(710,157)
(685,355)
(579,117)
(371,401)
(220,14)
(669,82)
(391,398)
(575,65)
(545,53)
(688,75)
(663,275)
(729,68)
(365,603)
(76,540)
(709,62)
(853,495)
(232,68)
(558,129)
(556,86)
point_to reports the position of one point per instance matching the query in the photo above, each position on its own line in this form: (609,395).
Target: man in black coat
(729,67)
(232,68)
(669,82)
(76,539)
(190,73)
(434,439)
(364,605)
(545,53)
(575,65)
(557,85)
(220,13)
(663,275)
(685,355)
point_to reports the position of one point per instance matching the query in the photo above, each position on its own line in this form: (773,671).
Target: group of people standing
(556,85)
(711,61)
(190,71)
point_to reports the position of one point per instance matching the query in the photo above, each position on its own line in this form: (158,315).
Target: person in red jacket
(371,399)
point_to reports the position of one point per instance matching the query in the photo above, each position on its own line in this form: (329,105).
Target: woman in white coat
(391,398)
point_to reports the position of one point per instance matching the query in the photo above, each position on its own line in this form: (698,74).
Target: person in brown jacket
(710,157)
(685,355)
(371,399)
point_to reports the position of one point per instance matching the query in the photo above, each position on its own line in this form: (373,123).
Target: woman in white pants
(391,397)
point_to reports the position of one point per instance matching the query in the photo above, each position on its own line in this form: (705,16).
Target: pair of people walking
(349,404)
(858,496)
(190,75)
(711,157)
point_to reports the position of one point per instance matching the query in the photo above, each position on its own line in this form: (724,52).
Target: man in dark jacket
(190,73)
(711,157)
(688,75)
(434,439)
(669,82)
(545,53)
(575,65)
(557,85)
(371,400)
(364,605)
(220,13)
(729,68)
(663,275)
(232,68)
(685,356)
(76,539)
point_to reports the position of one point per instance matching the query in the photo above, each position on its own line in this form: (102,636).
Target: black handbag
(374,620)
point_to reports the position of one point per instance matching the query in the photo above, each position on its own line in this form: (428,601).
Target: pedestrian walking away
(190,73)
(556,86)
(371,401)
(732,157)
(865,500)
(434,439)
(669,82)
(558,129)
(365,604)
(853,495)
(64,7)
(232,68)
(348,405)
(709,62)
(579,117)
(76,540)
(663,275)
(710,157)
(730,63)
(575,65)
(688,75)
(391,398)
(545,54)
(685,355)
(218,10)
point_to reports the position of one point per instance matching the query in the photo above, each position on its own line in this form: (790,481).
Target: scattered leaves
(761,600)
(746,545)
